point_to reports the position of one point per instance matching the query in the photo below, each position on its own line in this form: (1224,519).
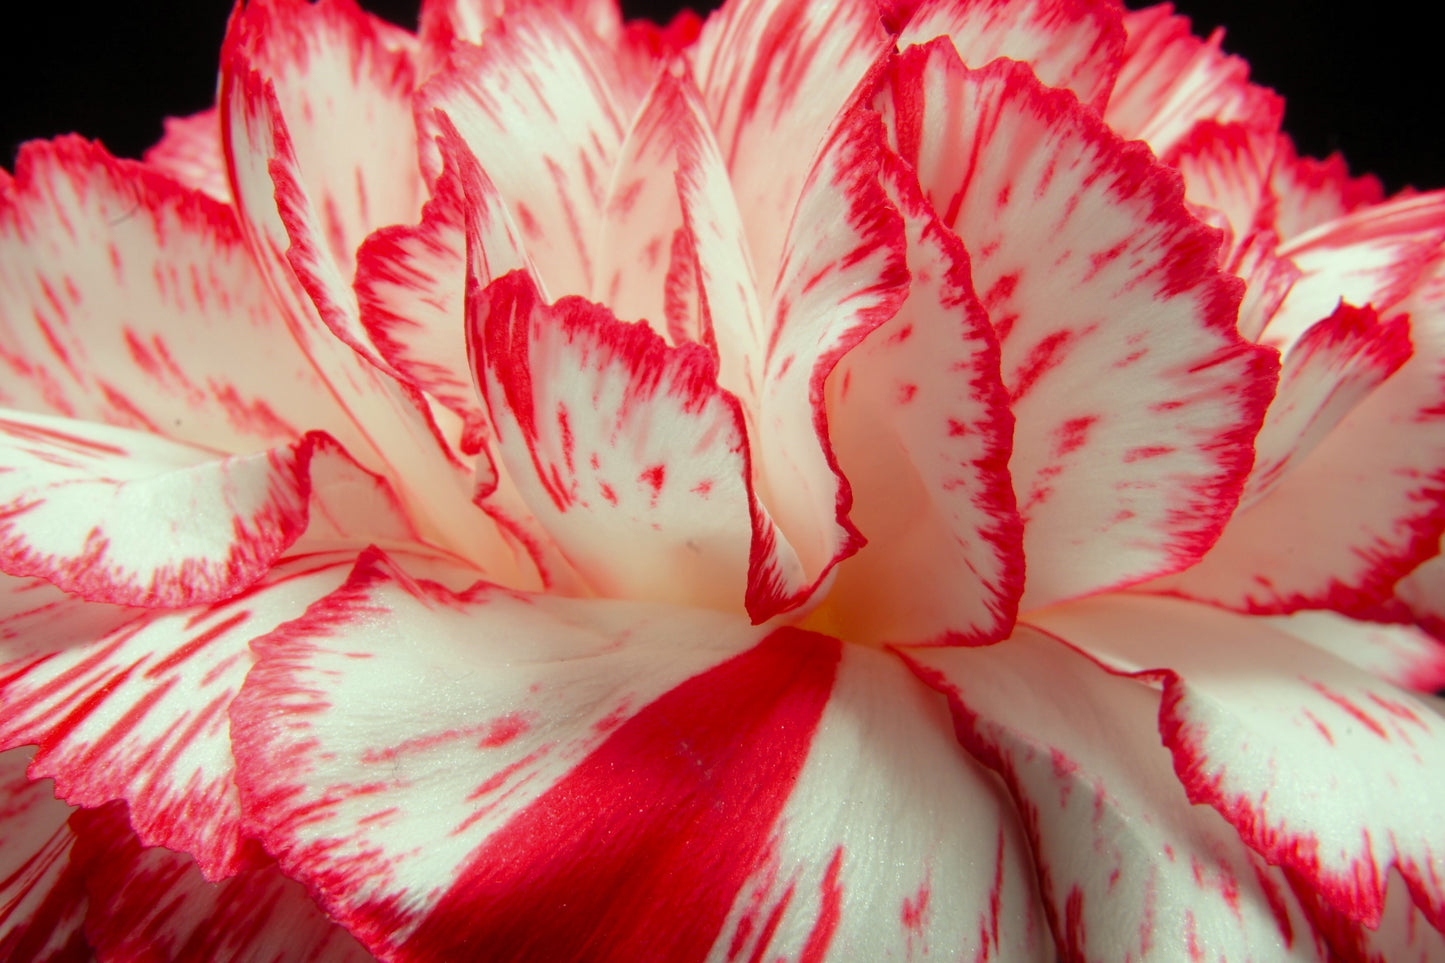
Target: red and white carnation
(832,481)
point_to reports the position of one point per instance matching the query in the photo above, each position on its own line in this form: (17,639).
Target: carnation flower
(829,482)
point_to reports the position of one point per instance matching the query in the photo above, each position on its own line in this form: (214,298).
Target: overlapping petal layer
(1086,261)
(133,519)
(139,712)
(1287,742)
(1128,868)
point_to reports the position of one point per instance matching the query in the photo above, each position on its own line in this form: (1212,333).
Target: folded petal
(615,438)
(1065,42)
(128,518)
(128,299)
(1170,80)
(844,272)
(1226,168)
(411,283)
(1135,399)
(643,213)
(390,428)
(153,904)
(42,898)
(1362,508)
(1128,868)
(443,23)
(1329,371)
(535,73)
(1376,256)
(1402,655)
(1311,192)
(190,151)
(920,423)
(1288,743)
(639,782)
(139,713)
(777,72)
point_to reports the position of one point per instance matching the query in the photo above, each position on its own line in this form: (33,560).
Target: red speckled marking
(640,851)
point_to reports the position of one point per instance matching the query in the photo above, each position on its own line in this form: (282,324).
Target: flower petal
(1226,168)
(411,284)
(190,151)
(1376,478)
(1402,655)
(1330,370)
(612,435)
(920,422)
(598,749)
(844,272)
(139,713)
(868,860)
(1376,256)
(643,214)
(443,23)
(1170,80)
(390,428)
(534,74)
(1129,869)
(1290,744)
(1403,936)
(585,802)
(132,519)
(1067,43)
(42,900)
(125,298)
(152,904)
(1087,262)
(777,72)
(1311,192)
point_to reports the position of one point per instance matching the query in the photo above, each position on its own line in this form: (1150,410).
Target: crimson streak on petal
(639,852)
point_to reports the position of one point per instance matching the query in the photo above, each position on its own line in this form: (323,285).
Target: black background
(1363,79)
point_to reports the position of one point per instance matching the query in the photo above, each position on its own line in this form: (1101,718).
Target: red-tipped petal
(919,419)
(128,299)
(139,713)
(1330,370)
(1171,80)
(127,518)
(777,72)
(1226,169)
(42,898)
(1068,43)
(538,115)
(190,151)
(613,438)
(843,273)
(1363,507)
(1311,192)
(1128,868)
(1288,743)
(411,283)
(389,426)
(1135,399)
(152,904)
(1376,256)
